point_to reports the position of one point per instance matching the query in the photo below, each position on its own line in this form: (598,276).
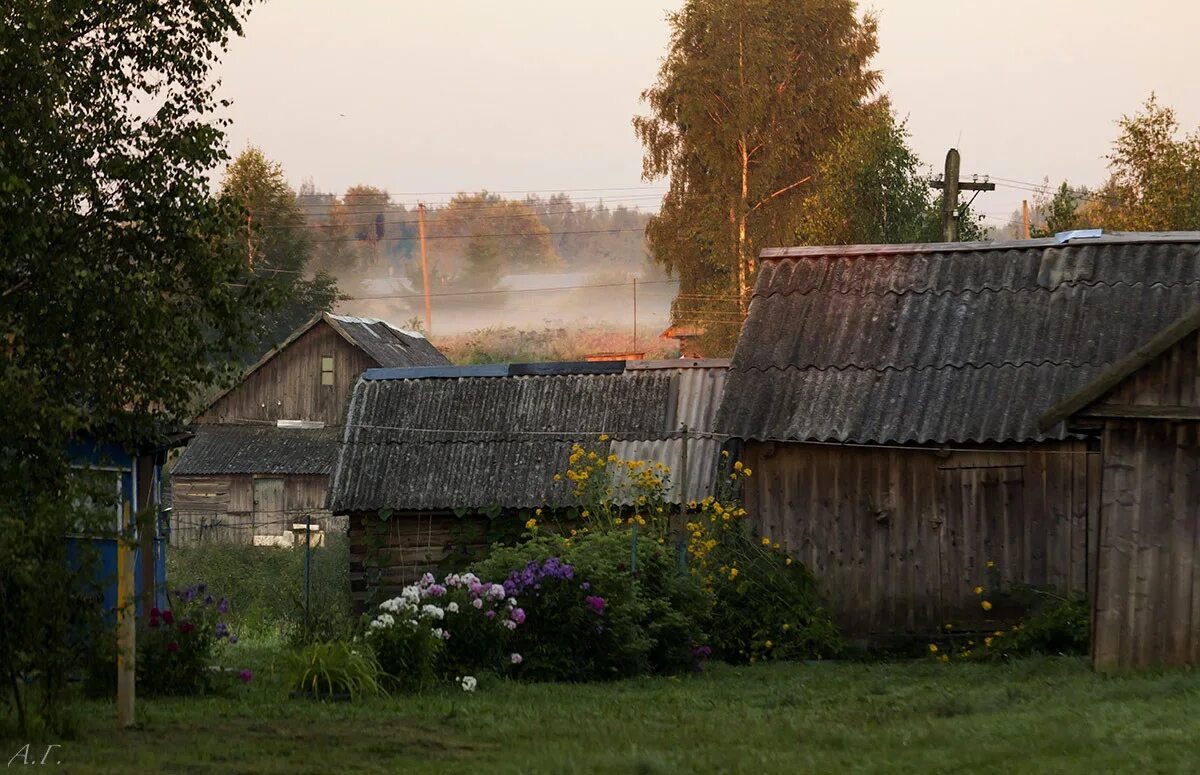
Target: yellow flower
(558,477)
(787,627)
(991,564)
(979,590)
(724,453)
(567,542)
(604,437)
(933,648)
(769,645)
(998,633)
(987,606)
(738,466)
(766,541)
(987,641)
(531,524)
(788,561)
(574,531)
(586,514)
(537,512)
(619,521)
(776,547)
(733,573)
(944,658)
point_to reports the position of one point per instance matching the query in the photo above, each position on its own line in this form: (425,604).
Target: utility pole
(635,314)
(1025,217)
(950,186)
(424,267)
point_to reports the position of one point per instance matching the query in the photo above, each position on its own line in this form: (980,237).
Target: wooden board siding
(288,387)
(898,538)
(223,509)
(1170,380)
(1147,605)
(407,546)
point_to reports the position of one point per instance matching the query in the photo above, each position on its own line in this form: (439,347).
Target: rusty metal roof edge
(1107,238)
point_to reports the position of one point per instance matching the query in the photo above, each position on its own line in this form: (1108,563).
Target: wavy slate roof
(388,345)
(966,342)
(258,449)
(474,437)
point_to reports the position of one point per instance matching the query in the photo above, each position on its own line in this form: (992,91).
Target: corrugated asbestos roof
(447,442)
(258,449)
(388,345)
(945,343)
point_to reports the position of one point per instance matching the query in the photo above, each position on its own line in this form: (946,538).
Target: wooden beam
(1142,412)
(1106,381)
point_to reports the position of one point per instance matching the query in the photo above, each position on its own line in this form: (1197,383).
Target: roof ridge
(932,367)
(977,291)
(926,248)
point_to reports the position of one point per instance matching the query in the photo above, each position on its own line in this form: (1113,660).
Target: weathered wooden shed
(436,448)
(1146,408)
(888,399)
(264,449)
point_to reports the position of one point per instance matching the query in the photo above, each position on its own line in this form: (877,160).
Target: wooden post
(680,532)
(126,633)
(635,314)
(950,198)
(1025,218)
(424,267)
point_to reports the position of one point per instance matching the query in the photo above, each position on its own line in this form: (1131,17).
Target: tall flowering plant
(178,645)
(459,625)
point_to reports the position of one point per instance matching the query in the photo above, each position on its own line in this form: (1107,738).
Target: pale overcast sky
(426,98)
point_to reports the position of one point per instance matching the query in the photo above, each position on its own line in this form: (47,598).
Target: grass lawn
(1032,716)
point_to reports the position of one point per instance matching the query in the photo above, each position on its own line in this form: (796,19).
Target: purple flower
(245,676)
(436,590)
(585,586)
(232,638)
(201,587)
(223,605)
(208,600)
(518,615)
(490,614)
(595,604)
(222,630)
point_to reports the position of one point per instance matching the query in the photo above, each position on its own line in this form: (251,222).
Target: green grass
(1029,716)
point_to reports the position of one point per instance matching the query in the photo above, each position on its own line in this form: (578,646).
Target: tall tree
(124,286)
(278,246)
(1155,180)
(750,93)
(1063,211)
(869,188)
(503,236)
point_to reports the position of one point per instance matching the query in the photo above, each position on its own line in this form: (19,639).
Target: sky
(425,99)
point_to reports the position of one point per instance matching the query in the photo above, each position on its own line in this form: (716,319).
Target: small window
(326,369)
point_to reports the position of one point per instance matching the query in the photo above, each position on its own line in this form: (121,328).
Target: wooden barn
(888,398)
(453,457)
(1146,408)
(264,449)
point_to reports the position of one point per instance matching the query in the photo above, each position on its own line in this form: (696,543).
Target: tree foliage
(279,246)
(1155,180)
(750,94)
(124,286)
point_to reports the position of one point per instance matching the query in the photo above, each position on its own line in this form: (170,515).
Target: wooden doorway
(269,516)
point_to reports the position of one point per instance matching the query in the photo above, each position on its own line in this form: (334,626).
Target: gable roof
(386,344)
(258,449)
(959,342)
(475,437)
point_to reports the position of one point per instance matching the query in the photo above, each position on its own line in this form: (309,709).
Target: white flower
(510,624)
(516,658)
(496,592)
(477,602)
(512,602)
(452,607)
(469,683)
(432,611)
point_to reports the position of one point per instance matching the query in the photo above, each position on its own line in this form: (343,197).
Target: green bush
(1053,625)
(266,585)
(765,605)
(408,652)
(333,670)
(176,647)
(600,618)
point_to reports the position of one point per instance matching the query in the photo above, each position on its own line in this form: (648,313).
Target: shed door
(984,522)
(268,507)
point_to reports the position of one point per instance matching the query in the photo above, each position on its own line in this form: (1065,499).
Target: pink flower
(477,602)
(172,647)
(245,676)
(516,658)
(168,617)
(186,627)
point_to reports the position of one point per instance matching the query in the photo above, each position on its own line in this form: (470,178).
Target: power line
(503,290)
(472,236)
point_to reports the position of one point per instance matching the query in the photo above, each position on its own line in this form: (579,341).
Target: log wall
(235,509)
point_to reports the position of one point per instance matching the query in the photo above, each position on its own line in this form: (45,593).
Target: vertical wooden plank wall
(222,509)
(898,538)
(1147,607)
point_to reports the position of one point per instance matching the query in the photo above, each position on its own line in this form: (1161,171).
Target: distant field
(1031,716)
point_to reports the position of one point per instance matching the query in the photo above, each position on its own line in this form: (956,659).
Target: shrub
(460,626)
(590,616)
(765,605)
(1054,625)
(267,584)
(333,670)
(176,646)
